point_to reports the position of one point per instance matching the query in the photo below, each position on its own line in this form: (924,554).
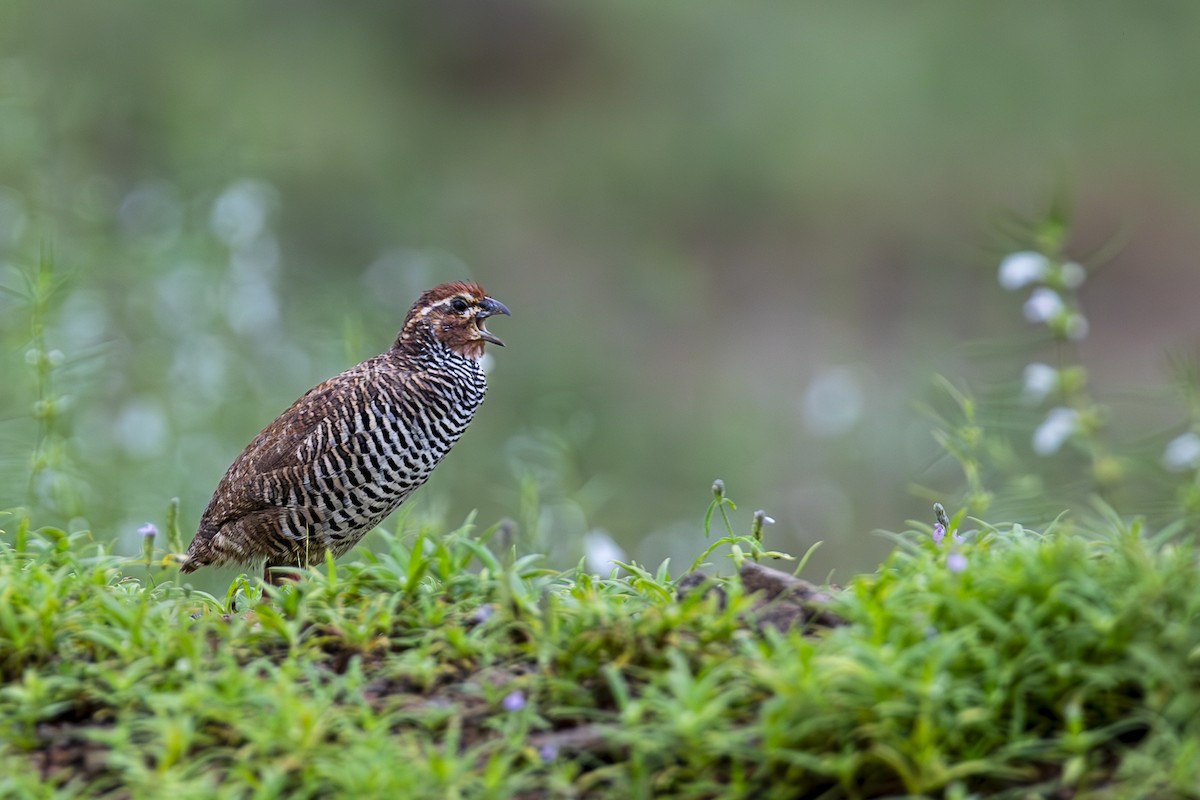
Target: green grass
(999,661)
(1056,663)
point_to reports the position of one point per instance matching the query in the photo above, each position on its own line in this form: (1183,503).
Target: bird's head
(453,314)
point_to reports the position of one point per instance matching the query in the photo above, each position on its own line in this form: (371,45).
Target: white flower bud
(1043,305)
(1182,453)
(1040,380)
(1072,275)
(1054,431)
(1018,270)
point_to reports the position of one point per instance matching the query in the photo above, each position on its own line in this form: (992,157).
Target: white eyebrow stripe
(470,301)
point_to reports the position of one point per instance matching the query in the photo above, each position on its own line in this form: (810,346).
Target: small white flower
(956,562)
(1054,431)
(1023,268)
(1072,275)
(1043,305)
(600,552)
(1077,327)
(1040,380)
(1182,452)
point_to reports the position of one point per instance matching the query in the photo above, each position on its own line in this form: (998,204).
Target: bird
(346,454)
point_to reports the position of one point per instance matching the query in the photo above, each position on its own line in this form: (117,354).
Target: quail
(352,449)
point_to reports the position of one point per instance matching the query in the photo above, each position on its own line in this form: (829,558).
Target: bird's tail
(199,552)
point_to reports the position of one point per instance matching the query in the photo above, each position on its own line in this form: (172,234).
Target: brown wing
(283,450)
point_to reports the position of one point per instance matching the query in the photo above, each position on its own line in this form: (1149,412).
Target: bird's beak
(487,308)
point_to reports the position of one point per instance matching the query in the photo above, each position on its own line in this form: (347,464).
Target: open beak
(488,307)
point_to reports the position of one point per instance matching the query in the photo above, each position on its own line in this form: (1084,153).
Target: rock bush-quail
(352,449)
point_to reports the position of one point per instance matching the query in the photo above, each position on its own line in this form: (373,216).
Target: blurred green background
(737,239)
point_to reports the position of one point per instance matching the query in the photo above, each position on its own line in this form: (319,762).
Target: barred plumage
(352,449)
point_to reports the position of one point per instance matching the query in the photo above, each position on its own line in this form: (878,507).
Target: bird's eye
(458,304)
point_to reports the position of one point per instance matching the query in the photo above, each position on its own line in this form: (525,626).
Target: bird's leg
(277,573)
